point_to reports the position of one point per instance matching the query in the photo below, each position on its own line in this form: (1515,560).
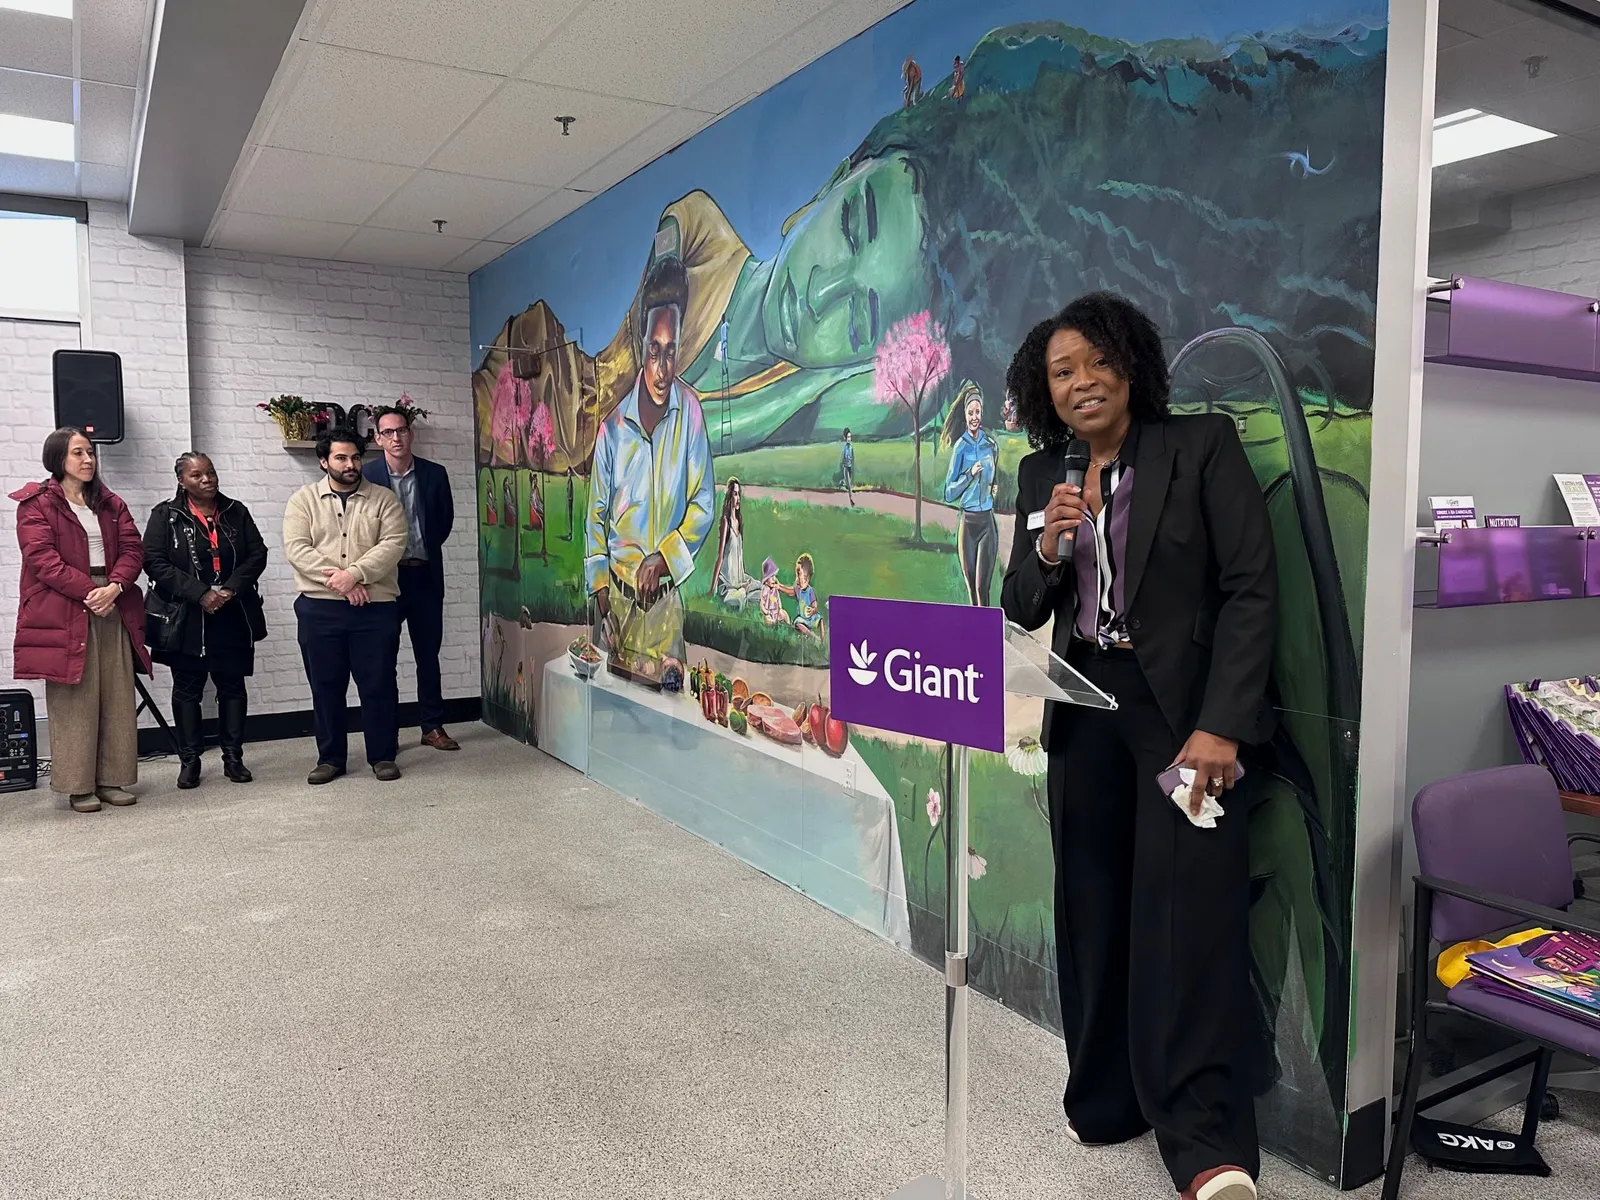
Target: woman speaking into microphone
(1166,599)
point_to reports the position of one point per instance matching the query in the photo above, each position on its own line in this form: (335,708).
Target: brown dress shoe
(440,740)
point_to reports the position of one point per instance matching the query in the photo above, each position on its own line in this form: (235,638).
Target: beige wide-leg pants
(94,736)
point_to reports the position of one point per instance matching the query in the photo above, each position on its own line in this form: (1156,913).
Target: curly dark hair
(1119,330)
(666,285)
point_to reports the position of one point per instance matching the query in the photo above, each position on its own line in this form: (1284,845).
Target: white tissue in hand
(1210,810)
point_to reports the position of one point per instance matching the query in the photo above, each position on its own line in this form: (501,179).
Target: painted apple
(817,723)
(836,736)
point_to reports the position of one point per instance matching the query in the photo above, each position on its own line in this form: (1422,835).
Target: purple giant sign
(935,671)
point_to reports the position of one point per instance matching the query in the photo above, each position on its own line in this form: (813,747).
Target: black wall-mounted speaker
(89,392)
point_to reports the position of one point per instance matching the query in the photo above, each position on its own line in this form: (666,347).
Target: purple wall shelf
(1510,327)
(1513,566)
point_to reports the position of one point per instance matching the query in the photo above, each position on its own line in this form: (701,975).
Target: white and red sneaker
(1222,1183)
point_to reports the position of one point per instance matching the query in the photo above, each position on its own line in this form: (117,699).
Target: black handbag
(164,622)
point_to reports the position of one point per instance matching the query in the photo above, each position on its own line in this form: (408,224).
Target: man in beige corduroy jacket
(344,537)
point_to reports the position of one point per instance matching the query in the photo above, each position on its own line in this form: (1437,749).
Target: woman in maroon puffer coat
(80,625)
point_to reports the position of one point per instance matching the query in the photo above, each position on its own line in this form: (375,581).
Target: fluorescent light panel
(33,138)
(49,8)
(1470,133)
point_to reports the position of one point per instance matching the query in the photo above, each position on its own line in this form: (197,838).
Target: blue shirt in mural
(649,494)
(972,493)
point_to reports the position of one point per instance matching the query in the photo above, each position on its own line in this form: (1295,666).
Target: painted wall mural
(768,369)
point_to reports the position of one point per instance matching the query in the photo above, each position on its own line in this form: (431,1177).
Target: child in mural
(958,80)
(772,610)
(730,582)
(970,486)
(535,502)
(651,491)
(808,614)
(491,515)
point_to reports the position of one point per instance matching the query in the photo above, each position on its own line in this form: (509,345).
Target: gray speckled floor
(493,980)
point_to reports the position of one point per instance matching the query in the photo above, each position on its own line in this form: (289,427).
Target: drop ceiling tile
(393,247)
(543,215)
(1517,63)
(631,50)
(515,135)
(280,235)
(1480,17)
(111,39)
(1579,154)
(1449,37)
(480,255)
(98,181)
(479,35)
(1502,174)
(105,126)
(677,127)
(35,42)
(1564,108)
(473,208)
(37,176)
(25,94)
(366,106)
(312,187)
(783,58)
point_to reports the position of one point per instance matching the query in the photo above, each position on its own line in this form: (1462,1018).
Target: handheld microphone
(1077,469)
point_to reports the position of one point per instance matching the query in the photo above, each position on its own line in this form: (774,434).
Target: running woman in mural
(651,490)
(970,486)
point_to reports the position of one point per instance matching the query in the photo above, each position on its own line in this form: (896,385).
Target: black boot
(230,735)
(186,719)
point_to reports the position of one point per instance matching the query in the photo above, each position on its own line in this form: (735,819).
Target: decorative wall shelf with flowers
(301,421)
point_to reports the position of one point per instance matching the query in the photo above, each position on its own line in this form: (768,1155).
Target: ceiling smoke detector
(566,125)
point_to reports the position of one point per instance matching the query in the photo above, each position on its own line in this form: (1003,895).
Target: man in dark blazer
(423,488)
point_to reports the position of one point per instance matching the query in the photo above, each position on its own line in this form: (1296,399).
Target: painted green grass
(857,552)
(1341,442)
(883,466)
(1012,924)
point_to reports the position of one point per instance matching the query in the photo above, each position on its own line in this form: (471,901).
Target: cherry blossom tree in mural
(541,440)
(912,361)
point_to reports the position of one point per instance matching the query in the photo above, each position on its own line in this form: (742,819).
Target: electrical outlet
(850,778)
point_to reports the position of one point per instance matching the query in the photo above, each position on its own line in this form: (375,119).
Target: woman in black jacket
(1168,603)
(202,551)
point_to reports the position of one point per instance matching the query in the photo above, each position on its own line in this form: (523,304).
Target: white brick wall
(136,308)
(348,334)
(1553,242)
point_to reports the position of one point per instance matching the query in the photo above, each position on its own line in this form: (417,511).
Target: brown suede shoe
(440,740)
(86,802)
(116,796)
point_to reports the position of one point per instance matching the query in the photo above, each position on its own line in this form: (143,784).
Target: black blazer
(1200,580)
(438,505)
(172,560)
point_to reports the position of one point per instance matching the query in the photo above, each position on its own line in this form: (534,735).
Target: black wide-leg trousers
(1152,937)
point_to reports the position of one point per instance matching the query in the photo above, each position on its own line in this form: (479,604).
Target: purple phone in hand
(1170,780)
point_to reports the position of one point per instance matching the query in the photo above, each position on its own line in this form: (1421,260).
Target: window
(43,245)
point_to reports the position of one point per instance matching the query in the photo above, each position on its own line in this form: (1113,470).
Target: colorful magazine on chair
(1564,967)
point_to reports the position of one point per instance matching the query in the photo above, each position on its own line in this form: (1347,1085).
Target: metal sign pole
(956,996)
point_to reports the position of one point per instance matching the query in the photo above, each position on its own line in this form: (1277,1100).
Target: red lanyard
(209,524)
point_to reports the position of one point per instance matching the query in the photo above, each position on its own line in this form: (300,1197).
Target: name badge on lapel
(1036,520)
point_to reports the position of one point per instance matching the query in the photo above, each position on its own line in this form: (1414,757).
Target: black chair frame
(1540,1053)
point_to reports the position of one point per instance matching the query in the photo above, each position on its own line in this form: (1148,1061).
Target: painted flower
(935,807)
(1028,758)
(977,866)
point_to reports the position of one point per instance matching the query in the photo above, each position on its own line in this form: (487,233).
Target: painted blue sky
(768,158)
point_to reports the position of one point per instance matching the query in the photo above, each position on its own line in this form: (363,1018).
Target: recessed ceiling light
(33,138)
(1470,133)
(50,8)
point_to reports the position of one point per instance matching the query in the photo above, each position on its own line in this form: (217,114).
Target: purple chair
(1492,846)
